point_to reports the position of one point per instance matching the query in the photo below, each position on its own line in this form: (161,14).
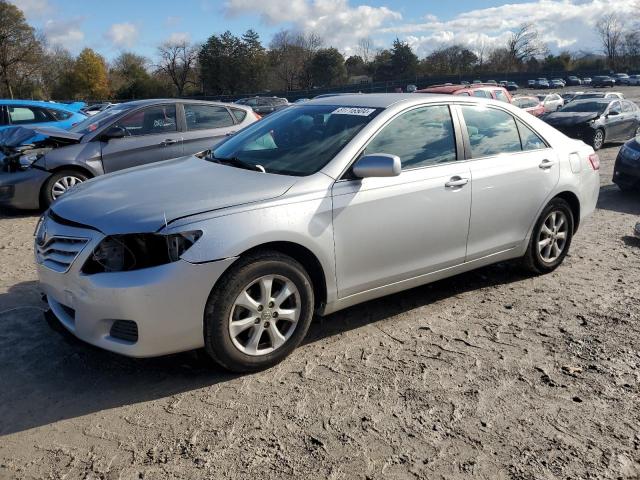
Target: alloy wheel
(264,315)
(552,238)
(598,139)
(63,184)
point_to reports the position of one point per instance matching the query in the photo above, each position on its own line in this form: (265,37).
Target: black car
(603,81)
(597,121)
(263,105)
(626,172)
(573,81)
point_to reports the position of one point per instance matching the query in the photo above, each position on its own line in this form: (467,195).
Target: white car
(551,101)
(321,206)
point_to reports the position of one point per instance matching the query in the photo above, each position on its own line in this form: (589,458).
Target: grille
(58,253)
(126,330)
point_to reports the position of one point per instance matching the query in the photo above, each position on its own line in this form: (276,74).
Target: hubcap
(264,315)
(64,184)
(597,142)
(552,238)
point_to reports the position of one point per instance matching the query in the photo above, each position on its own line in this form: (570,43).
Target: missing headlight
(118,253)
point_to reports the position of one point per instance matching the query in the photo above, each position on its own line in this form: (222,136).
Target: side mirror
(377,165)
(614,112)
(113,132)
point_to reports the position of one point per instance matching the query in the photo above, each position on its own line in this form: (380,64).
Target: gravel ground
(491,374)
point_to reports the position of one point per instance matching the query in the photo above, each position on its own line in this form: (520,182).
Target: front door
(392,229)
(513,172)
(151,136)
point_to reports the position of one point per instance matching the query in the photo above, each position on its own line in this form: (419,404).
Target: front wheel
(551,237)
(258,313)
(58,184)
(597,139)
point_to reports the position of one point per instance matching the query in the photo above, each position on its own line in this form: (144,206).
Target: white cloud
(178,37)
(66,33)
(33,8)
(172,20)
(336,21)
(122,34)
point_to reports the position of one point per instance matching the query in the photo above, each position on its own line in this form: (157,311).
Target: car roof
(37,103)
(371,100)
(597,100)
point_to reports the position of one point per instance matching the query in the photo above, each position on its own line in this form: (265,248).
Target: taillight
(257,115)
(594,160)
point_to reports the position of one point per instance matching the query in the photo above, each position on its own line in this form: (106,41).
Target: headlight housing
(25,161)
(121,253)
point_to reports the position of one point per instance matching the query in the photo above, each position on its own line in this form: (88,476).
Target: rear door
(629,119)
(206,125)
(513,172)
(152,136)
(615,121)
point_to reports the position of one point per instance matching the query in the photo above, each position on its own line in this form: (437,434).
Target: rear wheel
(551,237)
(258,313)
(58,184)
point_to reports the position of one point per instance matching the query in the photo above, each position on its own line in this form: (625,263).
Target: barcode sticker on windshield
(363,112)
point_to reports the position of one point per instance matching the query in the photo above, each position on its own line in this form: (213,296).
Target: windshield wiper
(236,162)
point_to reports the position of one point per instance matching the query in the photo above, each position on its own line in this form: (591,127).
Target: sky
(140,25)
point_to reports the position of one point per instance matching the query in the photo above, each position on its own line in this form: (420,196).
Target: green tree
(404,62)
(355,66)
(89,76)
(256,62)
(20,50)
(327,68)
(130,79)
(381,66)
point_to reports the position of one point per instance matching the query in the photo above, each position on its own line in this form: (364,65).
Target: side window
(491,131)
(239,114)
(20,115)
(615,107)
(530,140)
(481,93)
(500,95)
(149,121)
(206,116)
(626,107)
(60,114)
(423,136)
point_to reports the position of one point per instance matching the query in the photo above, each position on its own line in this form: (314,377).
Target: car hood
(13,137)
(145,199)
(563,119)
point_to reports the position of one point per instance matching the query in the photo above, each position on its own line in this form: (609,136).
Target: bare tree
(290,57)
(178,60)
(365,49)
(611,31)
(524,44)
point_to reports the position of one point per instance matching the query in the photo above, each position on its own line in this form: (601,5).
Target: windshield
(91,124)
(297,141)
(590,95)
(596,107)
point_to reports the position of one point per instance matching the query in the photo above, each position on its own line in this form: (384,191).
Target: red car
(483,90)
(530,104)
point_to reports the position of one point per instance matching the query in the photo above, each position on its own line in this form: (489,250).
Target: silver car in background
(316,208)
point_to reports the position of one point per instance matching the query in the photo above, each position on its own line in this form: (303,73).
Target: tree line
(226,64)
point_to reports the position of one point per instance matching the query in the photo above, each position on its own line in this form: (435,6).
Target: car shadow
(613,199)
(8,212)
(47,376)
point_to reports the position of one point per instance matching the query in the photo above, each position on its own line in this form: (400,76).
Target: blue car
(22,113)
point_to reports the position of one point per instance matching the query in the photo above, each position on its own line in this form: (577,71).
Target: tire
(535,259)
(254,347)
(597,139)
(51,189)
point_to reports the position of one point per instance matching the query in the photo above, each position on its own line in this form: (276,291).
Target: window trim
(29,107)
(186,127)
(460,151)
(465,133)
(115,122)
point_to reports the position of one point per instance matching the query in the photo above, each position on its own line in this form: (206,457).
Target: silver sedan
(316,208)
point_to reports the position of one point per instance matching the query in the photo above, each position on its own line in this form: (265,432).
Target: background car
(595,94)
(512,86)
(626,171)
(349,199)
(25,113)
(569,96)
(586,80)
(621,79)
(484,90)
(603,81)
(557,83)
(542,83)
(531,83)
(96,108)
(127,135)
(634,79)
(551,101)
(572,80)
(263,105)
(530,104)
(598,120)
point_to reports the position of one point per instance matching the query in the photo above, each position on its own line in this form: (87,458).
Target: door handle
(546,164)
(456,182)
(168,141)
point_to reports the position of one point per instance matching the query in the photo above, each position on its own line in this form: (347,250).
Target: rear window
(21,115)
(239,114)
(500,95)
(481,93)
(200,117)
(60,114)
(491,131)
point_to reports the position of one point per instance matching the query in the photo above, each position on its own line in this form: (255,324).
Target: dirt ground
(492,374)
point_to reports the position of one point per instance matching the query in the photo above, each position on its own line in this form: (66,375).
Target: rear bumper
(626,173)
(22,189)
